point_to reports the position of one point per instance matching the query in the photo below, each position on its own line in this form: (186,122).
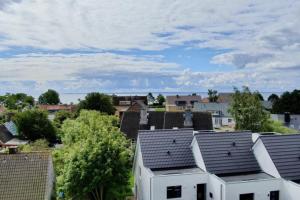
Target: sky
(76,46)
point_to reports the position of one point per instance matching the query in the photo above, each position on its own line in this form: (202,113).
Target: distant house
(52,109)
(129,103)
(8,136)
(132,122)
(223,97)
(26,176)
(288,120)
(219,111)
(188,165)
(181,103)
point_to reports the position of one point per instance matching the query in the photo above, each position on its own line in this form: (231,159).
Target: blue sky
(78,46)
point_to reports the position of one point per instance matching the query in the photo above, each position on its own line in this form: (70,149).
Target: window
(229,120)
(274,195)
(173,192)
(249,196)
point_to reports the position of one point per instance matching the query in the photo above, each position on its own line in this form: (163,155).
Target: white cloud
(261,38)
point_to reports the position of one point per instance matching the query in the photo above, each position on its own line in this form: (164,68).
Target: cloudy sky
(157,45)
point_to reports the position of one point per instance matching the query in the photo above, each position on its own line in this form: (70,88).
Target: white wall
(197,155)
(217,187)
(260,188)
(264,160)
(187,181)
(290,191)
(142,181)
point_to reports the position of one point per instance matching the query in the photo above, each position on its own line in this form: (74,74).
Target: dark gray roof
(130,121)
(227,153)
(5,134)
(167,149)
(26,176)
(284,150)
(130,124)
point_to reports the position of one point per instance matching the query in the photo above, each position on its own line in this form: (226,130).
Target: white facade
(153,185)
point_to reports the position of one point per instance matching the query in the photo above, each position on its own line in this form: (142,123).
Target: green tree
(16,101)
(160,99)
(247,110)
(260,96)
(150,98)
(213,95)
(51,97)
(273,98)
(62,115)
(97,101)
(288,102)
(95,161)
(34,124)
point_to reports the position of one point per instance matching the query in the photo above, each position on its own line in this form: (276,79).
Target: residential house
(129,103)
(288,120)
(219,111)
(186,165)
(53,109)
(132,122)
(181,103)
(26,176)
(8,135)
(223,97)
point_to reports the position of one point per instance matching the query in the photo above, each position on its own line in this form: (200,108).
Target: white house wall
(217,187)
(197,155)
(142,181)
(188,183)
(260,188)
(264,160)
(290,190)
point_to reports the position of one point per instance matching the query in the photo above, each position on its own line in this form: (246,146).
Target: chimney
(188,118)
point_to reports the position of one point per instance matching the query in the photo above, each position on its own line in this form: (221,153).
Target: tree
(16,101)
(51,97)
(95,161)
(97,101)
(160,99)
(150,98)
(213,95)
(34,125)
(61,116)
(288,102)
(273,98)
(260,96)
(247,110)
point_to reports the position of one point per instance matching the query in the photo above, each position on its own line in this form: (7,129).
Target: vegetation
(16,101)
(95,162)
(160,99)
(38,145)
(34,124)
(288,102)
(276,126)
(150,98)
(213,95)
(247,110)
(273,98)
(61,116)
(51,97)
(97,101)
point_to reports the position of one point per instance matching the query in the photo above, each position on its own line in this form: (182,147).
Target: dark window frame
(174,192)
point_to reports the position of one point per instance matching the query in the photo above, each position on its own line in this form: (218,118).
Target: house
(223,97)
(129,103)
(5,134)
(181,103)
(132,122)
(26,176)
(8,135)
(52,109)
(219,111)
(183,164)
(288,120)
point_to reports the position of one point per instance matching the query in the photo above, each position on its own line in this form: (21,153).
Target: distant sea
(74,97)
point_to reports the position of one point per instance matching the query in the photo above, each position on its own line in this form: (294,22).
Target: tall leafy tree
(34,124)
(16,101)
(150,98)
(51,97)
(213,95)
(97,101)
(273,98)
(247,110)
(160,99)
(288,102)
(96,158)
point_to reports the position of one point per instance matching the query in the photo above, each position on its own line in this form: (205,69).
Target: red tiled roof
(56,107)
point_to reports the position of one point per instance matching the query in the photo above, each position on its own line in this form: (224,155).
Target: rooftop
(246,177)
